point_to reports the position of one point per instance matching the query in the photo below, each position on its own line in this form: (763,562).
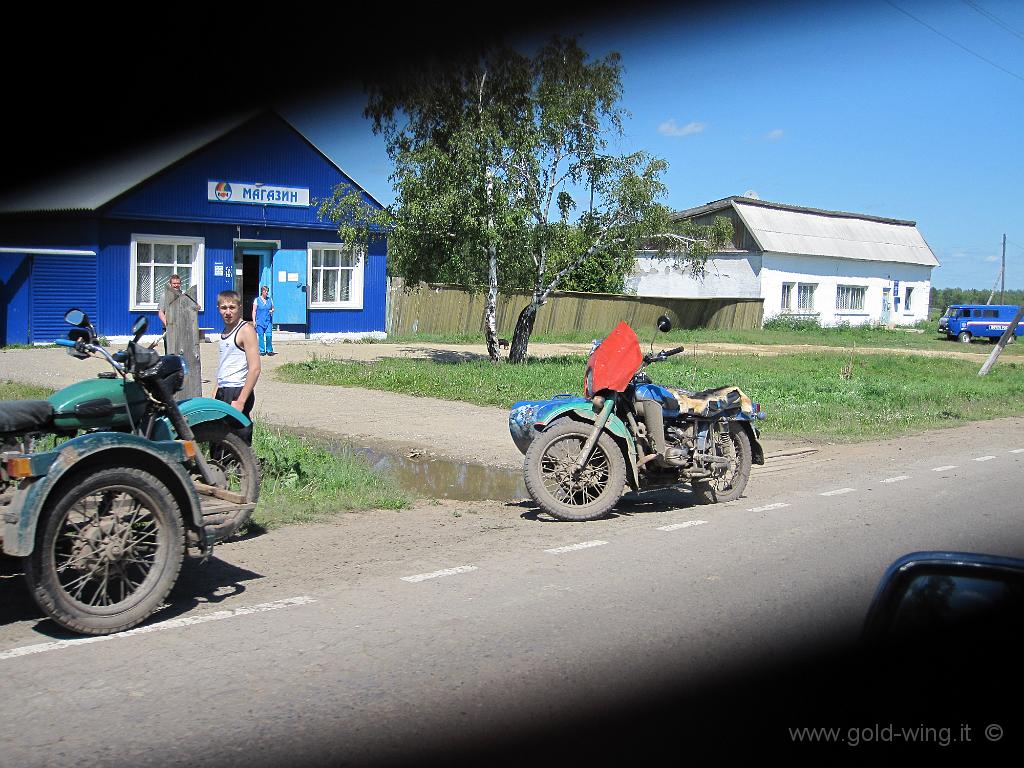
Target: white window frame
(355,300)
(907,296)
(198,267)
(813,288)
(787,297)
(852,296)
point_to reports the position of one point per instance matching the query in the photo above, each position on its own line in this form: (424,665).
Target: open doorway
(251,270)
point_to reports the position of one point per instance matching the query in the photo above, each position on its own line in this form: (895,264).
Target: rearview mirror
(76,317)
(139,327)
(664,324)
(925,593)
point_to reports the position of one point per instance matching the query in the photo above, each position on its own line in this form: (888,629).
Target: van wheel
(965,337)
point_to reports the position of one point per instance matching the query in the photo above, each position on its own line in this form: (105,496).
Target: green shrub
(801,323)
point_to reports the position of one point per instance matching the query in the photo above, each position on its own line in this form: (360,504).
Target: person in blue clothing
(263,319)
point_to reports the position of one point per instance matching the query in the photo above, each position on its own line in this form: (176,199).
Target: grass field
(845,337)
(804,395)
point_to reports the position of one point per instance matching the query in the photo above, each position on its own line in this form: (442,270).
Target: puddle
(435,476)
(443,478)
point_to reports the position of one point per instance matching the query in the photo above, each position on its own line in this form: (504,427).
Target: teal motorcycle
(103,518)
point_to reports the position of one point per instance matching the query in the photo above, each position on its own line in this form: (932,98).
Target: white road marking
(574,547)
(984,458)
(896,479)
(1017,450)
(943,469)
(837,492)
(677,526)
(777,505)
(436,574)
(184,621)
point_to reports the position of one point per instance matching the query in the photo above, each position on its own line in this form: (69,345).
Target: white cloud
(991,258)
(774,135)
(670,128)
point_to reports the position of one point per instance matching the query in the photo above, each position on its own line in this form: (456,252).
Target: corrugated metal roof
(93,187)
(782,228)
(90,188)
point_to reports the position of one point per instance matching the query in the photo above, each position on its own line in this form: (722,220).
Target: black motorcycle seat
(18,416)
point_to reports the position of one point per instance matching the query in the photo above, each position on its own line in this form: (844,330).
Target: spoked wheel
(728,482)
(107,552)
(565,492)
(235,468)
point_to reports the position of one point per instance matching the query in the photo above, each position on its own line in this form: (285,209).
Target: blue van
(968,321)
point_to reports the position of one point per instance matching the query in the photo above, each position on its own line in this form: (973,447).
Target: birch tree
(504,180)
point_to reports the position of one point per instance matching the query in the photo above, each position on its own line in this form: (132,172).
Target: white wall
(829,273)
(727,276)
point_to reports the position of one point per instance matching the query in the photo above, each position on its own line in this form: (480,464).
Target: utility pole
(1002,272)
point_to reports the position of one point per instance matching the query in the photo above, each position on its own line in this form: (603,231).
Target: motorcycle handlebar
(84,348)
(659,356)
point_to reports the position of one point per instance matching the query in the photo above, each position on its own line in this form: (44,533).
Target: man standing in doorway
(263,319)
(239,367)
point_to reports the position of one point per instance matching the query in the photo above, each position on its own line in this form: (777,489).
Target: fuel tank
(100,403)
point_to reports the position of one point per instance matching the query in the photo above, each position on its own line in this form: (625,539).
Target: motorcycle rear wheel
(107,551)
(548,473)
(730,484)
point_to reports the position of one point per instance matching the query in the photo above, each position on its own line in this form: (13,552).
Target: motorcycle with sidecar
(103,518)
(581,452)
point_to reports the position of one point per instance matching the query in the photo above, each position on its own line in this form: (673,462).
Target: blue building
(233,206)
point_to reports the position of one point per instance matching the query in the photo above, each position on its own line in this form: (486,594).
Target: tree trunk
(491,308)
(521,337)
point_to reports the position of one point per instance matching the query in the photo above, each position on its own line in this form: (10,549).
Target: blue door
(288,287)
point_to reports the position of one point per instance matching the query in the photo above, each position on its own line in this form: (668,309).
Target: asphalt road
(494,628)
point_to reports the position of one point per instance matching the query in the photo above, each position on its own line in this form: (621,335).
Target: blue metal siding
(174,203)
(371,316)
(59,283)
(266,150)
(116,318)
(15,287)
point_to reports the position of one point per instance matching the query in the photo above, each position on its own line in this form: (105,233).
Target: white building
(833,266)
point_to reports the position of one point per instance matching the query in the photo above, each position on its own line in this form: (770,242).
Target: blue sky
(843,106)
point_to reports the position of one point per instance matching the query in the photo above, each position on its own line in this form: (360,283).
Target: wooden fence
(450,309)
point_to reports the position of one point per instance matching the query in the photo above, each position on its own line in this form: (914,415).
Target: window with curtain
(850,297)
(335,276)
(787,297)
(805,297)
(155,258)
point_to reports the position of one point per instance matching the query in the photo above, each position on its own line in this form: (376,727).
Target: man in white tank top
(239,367)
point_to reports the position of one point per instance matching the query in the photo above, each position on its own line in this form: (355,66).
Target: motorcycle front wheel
(235,468)
(563,492)
(107,551)
(728,482)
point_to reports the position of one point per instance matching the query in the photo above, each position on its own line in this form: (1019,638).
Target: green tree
(488,154)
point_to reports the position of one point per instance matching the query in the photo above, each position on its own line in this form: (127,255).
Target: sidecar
(101,523)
